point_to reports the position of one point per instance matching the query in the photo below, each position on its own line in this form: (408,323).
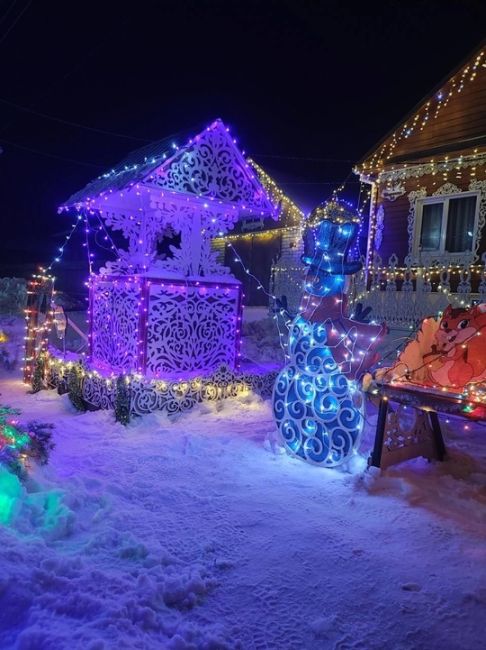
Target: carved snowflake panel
(191,328)
(211,167)
(114,324)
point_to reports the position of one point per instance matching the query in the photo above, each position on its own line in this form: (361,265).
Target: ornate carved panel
(380,224)
(412,197)
(480,186)
(447,188)
(173,397)
(114,324)
(191,328)
(212,167)
(197,225)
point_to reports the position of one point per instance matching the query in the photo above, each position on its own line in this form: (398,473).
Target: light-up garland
(147,395)
(36,330)
(426,274)
(37,334)
(138,189)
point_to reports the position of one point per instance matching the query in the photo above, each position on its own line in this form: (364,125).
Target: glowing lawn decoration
(318,410)
(317,403)
(448,353)
(19,444)
(177,313)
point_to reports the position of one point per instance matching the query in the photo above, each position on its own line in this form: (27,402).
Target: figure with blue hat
(317,402)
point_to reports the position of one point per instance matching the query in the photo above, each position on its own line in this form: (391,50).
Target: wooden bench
(395,440)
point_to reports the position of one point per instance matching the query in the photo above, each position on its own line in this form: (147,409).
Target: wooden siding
(458,127)
(395,237)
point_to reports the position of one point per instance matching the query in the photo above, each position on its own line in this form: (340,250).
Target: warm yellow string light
(421,119)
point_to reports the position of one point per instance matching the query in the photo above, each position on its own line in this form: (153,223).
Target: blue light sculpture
(317,404)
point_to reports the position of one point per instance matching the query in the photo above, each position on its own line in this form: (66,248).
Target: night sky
(306,87)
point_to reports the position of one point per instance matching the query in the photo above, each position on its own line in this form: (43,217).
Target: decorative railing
(405,295)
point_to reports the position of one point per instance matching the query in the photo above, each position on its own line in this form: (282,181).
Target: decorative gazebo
(179,313)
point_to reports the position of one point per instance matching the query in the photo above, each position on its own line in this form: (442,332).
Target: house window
(446,225)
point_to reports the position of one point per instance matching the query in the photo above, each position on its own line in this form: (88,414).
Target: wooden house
(426,235)
(270,250)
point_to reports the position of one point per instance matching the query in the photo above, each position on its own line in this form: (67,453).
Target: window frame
(441,254)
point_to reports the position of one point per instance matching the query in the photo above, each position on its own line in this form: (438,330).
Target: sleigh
(442,371)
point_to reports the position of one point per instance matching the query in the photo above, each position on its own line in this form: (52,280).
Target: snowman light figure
(317,402)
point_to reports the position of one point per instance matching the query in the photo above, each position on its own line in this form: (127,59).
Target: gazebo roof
(132,169)
(209,165)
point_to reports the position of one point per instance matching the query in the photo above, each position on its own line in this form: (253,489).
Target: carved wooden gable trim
(211,166)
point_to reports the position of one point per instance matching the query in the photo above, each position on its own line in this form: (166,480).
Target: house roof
(208,166)
(407,137)
(133,168)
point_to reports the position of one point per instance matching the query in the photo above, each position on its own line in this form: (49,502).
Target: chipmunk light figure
(460,348)
(317,403)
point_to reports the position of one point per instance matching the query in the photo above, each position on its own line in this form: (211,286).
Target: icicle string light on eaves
(425,115)
(440,168)
(287,207)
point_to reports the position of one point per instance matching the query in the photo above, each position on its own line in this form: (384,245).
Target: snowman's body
(318,410)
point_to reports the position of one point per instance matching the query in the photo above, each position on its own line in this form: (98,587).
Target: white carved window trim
(427,257)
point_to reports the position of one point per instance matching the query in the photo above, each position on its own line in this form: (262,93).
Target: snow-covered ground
(200,533)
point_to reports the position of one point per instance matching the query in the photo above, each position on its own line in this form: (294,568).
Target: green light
(9,493)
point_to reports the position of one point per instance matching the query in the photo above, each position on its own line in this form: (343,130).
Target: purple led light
(140,335)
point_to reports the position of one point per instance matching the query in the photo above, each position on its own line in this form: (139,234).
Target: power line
(19,16)
(25,109)
(51,155)
(9,9)
(99,44)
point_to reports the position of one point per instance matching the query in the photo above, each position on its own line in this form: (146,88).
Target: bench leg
(375,458)
(437,434)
